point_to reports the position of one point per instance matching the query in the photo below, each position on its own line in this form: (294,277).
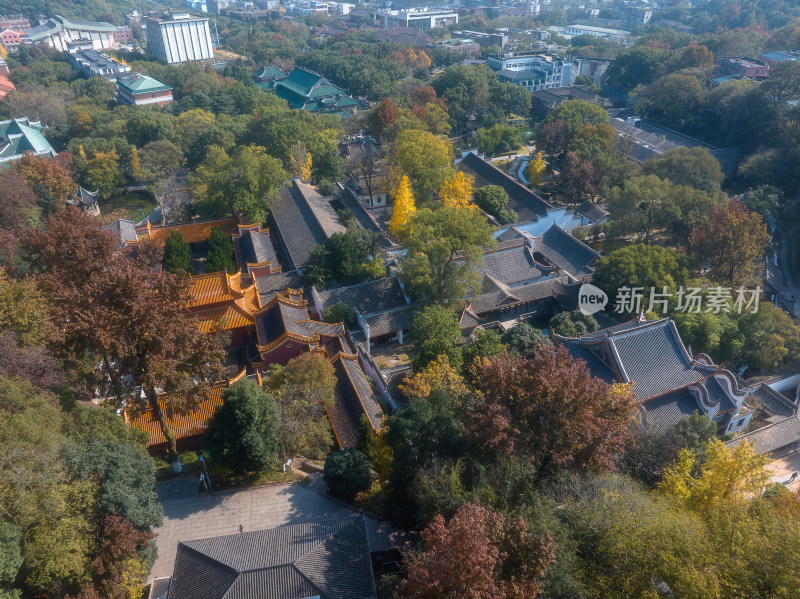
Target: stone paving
(190,516)
(783,468)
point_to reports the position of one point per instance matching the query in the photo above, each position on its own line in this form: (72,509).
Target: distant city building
(771,59)
(418,18)
(57,32)
(531,71)
(630,17)
(18,136)
(141,90)
(745,67)
(123,35)
(614,35)
(93,64)
(11,39)
(460,46)
(484,39)
(19,23)
(596,69)
(179,37)
(6,85)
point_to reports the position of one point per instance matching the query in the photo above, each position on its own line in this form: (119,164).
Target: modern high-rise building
(531,71)
(179,37)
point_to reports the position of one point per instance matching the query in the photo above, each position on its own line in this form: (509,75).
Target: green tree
(493,138)
(522,340)
(426,159)
(436,332)
(573,324)
(243,432)
(347,473)
(348,258)
(159,159)
(220,256)
(443,248)
(494,200)
(243,183)
(766,200)
(642,266)
(104,172)
(10,558)
(641,207)
(177,255)
(577,114)
(636,66)
(486,344)
(695,167)
(340,312)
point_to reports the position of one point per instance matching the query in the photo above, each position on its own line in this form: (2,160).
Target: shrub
(347,473)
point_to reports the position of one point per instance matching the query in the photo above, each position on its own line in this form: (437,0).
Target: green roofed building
(18,136)
(57,32)
(141,90)
(307,90)
(267,76)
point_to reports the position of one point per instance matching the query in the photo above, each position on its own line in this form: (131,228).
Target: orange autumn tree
(404,206)
(458,191)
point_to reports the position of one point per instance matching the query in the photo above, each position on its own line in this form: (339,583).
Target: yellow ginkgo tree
(300,162)
(458,191)
(404,206)
(535,170)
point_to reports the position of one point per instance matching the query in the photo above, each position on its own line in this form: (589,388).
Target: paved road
(188,516)
(783,468)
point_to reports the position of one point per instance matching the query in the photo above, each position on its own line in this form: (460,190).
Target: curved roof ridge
(570,236)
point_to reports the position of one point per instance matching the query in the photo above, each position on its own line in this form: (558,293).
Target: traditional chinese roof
(503,296)
(594,212)
(192,232)
(354,399)
(329,559)
(221,303)
(772,437)
(139,84)
(124,229)
(365,220)
(254,248)
(286,315)
(270,72)
(184,426)
(18,136)
(57,24)
(528,205)
(565,252)
(513,266)
(303,220)
(303,87)
(272,284)
(391,321)
(369,297)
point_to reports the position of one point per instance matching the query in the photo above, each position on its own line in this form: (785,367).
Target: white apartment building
(418,18)
(531,71)
(179,37)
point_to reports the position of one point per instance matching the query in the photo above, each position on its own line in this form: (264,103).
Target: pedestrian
(794,476)
(241,528)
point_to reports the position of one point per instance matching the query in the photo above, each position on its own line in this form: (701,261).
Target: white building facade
(180,37)
(532,71)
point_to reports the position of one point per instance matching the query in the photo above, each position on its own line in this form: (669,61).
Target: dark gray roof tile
(528,205)
(369,297)
(594,212)
(562,250)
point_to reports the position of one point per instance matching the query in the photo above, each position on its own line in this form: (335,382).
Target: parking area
(190,516)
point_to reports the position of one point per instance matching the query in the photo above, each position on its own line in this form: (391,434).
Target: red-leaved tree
(551,410)
(478,554)
(124,319)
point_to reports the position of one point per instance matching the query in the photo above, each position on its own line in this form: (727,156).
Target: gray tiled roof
(354,399)
(254,248)
(511,296)
(666,410)
(304,220)
(330,558)
(363,217)
(512,266)
(774,402)
(271,284)
(369,297)
(528,205)
(773,436)
(564,251)
(124,229)
(649,354)
(390,321)
(594,212)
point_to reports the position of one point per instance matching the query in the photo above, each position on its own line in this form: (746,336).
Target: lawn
(133,205)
